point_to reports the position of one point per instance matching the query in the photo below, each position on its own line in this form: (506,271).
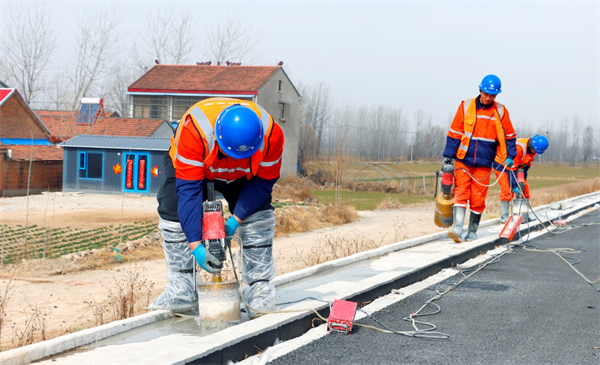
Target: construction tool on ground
(341,317)
(444,200)
(520,208)
(217,301)
(520,204)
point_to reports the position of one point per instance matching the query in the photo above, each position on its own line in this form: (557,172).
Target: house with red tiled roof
(168,91)
(98,167)
(28,161)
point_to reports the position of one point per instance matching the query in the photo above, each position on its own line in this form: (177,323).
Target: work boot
(458,221)
(474,219)
(504,208)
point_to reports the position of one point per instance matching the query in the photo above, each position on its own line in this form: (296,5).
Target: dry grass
(6,292)
(128,294)
(390,203)
(295,189)
(297,219)
(33,328)
(334,246)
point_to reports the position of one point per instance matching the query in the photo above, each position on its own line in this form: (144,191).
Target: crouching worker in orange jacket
(237,145)
(527,148)
(480,132)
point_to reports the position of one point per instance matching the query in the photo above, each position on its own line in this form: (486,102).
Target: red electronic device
(341,317)
(511,226)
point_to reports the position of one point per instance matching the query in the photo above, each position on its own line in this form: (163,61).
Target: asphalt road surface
(527,308)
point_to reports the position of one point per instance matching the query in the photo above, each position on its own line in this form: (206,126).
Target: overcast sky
(412,54)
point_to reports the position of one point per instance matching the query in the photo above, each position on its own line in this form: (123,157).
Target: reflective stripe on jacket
(479,135)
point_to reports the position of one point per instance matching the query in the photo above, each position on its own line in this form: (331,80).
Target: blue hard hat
(239,131)
(539,143)
(491,85)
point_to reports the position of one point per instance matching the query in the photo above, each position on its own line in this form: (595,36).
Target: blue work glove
(508,162)
(230,227)
(205,258)
(516,191)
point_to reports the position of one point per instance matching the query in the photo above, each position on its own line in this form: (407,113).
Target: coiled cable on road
(554,229)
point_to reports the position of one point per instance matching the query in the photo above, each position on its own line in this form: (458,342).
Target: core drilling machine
(520,210)
(213,230)
(445,201)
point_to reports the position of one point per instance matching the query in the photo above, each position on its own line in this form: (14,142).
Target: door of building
(137,171)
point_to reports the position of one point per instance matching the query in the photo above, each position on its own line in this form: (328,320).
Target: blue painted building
(113,165)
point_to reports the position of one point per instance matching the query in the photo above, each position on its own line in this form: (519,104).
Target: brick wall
(45,175)
(17,122)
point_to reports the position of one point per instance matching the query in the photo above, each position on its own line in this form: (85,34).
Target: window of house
(279,86)
(181,104)
(284,110)
(150,106)
(90,165)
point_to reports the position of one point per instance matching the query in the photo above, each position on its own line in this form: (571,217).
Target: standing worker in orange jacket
(481,132)
(237,145)
(527,148)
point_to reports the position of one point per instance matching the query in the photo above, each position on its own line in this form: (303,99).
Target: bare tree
(115,87)
(169,38)
(317,112)
(95,49)
(231,41)
(27,49)
(587,144)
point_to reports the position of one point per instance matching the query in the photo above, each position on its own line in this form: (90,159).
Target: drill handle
(210,190)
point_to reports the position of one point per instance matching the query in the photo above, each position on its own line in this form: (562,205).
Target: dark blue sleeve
(511,148)
(512,178)
(526,169)
(190,193)
(253,194)
(451,147)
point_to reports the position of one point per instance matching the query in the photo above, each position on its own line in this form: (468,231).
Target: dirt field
(64,297)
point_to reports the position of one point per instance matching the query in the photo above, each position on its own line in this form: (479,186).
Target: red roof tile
(125,127)
(62,125)
(40,153)
(204,79)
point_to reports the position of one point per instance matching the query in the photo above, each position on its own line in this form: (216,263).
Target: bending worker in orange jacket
(527,148)
(237,145)
(481,132)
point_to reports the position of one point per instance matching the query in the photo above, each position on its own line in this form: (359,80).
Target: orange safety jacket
(478,136)
(196,156)
(194,147)
(524,157)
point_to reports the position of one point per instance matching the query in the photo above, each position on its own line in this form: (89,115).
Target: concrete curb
(37,351)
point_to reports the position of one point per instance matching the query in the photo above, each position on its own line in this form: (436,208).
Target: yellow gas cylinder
(444,199)
(443,210)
